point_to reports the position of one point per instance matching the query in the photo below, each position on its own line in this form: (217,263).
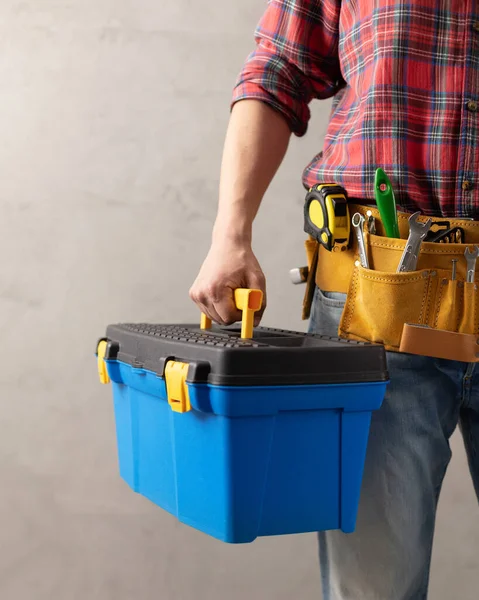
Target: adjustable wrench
(358,224)
(417,233)
(471,258)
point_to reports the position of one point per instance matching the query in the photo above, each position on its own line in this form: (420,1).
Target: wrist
(234,229)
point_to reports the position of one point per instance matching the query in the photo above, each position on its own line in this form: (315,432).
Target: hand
(227,267)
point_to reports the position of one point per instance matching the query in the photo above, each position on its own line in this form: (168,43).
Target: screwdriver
(299,275)
(386,203)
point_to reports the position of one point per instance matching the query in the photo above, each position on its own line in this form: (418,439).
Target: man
(405,81)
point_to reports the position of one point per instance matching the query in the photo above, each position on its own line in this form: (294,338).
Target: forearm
(295,61)
(255,145)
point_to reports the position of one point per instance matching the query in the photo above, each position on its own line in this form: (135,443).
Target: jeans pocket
(326,312)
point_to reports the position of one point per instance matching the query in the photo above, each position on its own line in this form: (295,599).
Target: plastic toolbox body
(244,438)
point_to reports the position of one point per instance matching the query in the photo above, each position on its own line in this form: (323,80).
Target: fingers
(219,305)
(225,306)
(216,302)
(225,270)
(210,312)
(203,301)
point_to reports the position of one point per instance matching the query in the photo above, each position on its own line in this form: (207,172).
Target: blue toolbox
(242,434)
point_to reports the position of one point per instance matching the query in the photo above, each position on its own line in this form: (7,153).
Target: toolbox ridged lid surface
(219,356)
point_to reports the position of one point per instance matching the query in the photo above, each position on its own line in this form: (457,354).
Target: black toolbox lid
(272,357)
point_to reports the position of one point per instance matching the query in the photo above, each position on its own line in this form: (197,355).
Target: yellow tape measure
(326,215)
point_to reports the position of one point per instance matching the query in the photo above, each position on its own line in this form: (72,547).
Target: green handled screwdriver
(386,204)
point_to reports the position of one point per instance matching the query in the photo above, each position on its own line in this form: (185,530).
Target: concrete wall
(112,116)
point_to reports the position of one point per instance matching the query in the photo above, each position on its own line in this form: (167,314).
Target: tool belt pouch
(312,252)
(421,312)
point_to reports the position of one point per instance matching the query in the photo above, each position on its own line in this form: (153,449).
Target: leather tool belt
(424,311)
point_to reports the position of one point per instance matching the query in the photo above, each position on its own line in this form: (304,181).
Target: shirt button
(475,26)
(472,106)
(467,185)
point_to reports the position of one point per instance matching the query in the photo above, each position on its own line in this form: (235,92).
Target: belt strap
(334,269)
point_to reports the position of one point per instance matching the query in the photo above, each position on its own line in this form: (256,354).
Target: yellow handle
(248,302)
(205,322)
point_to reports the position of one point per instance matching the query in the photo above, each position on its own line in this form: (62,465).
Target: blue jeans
(388,556)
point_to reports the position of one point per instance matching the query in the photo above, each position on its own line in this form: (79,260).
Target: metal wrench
(471,258)
(371,223)
(417,233)
(358,224)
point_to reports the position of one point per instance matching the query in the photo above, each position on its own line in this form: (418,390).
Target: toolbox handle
(248,302)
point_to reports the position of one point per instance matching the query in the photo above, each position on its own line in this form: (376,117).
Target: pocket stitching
(459,312)
(424,250)
(428,297)
(438,302)
(474,309)
(423,303)
(476,315)
(468,306)
(350,305)
(404,278)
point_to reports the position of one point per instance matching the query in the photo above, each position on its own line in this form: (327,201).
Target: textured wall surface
(112,117)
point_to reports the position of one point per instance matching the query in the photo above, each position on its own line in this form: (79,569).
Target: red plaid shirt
(405,81)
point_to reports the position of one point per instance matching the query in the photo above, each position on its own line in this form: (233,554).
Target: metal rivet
(433,273)
(444,282)
(467,185)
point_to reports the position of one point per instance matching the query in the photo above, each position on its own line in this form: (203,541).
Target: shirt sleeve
(295,59)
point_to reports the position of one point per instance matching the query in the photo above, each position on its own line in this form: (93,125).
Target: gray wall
(112,116)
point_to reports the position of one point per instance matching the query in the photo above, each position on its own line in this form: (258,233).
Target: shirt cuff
(274,81)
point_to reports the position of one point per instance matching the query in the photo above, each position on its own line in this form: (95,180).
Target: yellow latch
(102,368)
(176,387)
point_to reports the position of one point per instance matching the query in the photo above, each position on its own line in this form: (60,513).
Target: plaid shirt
(405,81)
